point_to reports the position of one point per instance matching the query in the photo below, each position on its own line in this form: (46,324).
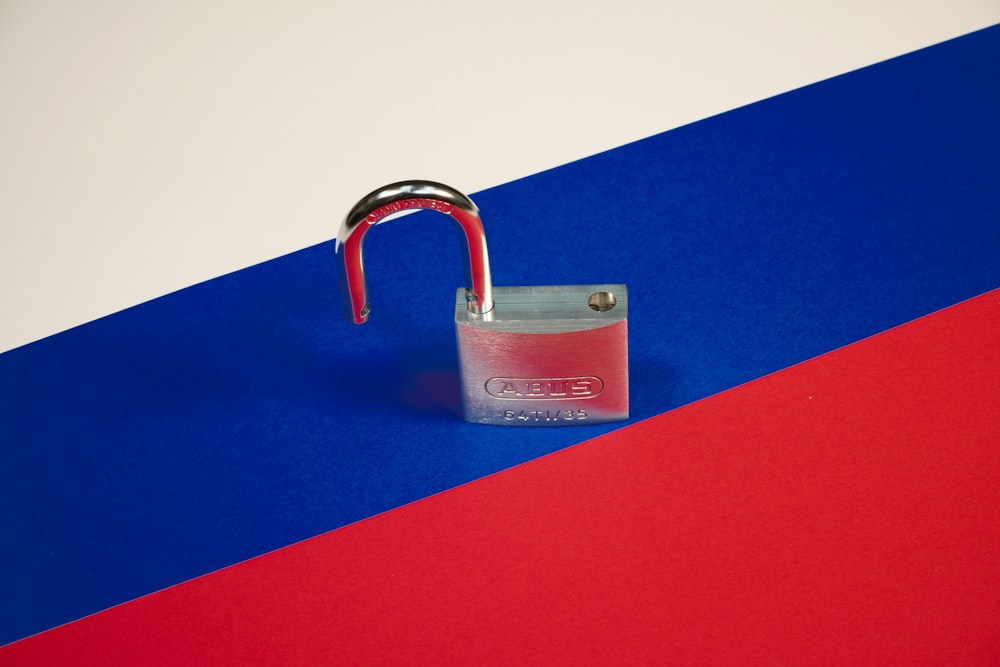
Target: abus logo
(582,387)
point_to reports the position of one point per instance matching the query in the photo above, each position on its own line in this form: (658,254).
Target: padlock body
(545,357)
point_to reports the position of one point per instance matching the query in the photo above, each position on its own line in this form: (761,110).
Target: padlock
(528,356)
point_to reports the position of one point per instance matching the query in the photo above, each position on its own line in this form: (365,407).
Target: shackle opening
(403,196)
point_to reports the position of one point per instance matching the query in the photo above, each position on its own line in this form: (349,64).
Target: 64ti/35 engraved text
(575,388)
(544,415)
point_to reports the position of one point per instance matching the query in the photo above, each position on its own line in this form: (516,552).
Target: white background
(147,146)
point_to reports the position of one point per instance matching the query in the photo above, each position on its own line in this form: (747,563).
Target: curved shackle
(403,196)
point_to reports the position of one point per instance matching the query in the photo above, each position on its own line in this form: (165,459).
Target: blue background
(243,414)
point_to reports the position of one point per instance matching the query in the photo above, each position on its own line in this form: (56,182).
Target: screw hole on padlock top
(602,301)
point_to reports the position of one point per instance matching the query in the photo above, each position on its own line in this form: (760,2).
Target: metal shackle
(403,196)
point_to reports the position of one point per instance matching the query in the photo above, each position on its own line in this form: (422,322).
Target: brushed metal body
(544,357)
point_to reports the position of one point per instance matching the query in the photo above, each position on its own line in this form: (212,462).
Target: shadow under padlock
(553,355)
(414,378)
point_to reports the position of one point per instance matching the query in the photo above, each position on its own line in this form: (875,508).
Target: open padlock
(529,356)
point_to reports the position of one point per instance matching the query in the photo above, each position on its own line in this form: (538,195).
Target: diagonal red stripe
(843,511)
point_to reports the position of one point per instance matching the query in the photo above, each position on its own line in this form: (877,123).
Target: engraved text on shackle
(405,205)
